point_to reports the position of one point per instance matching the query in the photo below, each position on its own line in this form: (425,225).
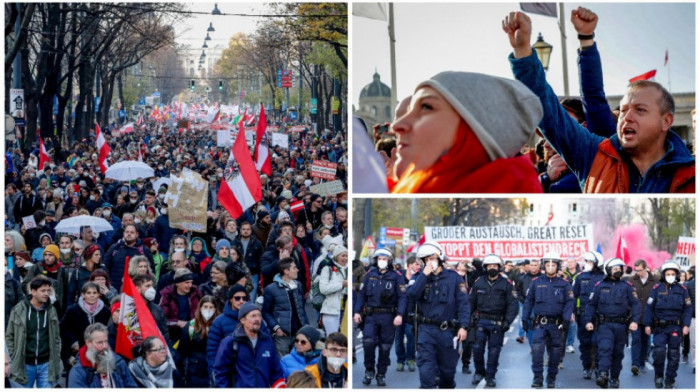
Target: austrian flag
(242,187)
(263,163)
(103,147)
(43,155)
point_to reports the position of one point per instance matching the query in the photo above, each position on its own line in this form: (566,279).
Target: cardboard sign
(328,188)
(512,241)
(29,222)
(324,169)
(187,201)
(280,139)
(685,252)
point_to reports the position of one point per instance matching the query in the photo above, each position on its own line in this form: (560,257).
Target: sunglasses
(239,298)
(300,341)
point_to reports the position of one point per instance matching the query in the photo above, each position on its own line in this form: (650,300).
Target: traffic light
(221,85)
(192,84)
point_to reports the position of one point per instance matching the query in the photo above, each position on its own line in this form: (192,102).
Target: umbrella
(163,180)
(73,225)
(129,170)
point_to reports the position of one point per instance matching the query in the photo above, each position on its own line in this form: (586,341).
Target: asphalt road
(514,370)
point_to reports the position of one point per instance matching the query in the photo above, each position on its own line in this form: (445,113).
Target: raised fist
(519,29)
(584,20)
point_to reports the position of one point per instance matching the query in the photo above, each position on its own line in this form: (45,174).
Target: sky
(193,30)
(632,39)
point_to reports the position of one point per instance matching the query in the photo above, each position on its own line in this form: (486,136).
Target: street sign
(386,243)
(55,105)
(335,105)
(156,94)
(142,101)
(17,102)
(293,116)
(20,122)
(394,233)
(314,105)
(122,114)
(406,237)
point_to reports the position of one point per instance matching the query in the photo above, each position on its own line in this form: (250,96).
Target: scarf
(53,268)
(466,168)
(152,377)
(91,310)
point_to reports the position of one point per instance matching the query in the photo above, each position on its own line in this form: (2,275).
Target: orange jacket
(316,374)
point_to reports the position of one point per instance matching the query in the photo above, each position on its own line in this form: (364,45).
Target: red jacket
(169,303)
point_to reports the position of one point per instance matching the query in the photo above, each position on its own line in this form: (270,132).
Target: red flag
(666,58)
(622,251)
(414,247)
(263,163)
(242,187)
(644,76)
(135,320)
(43,155)
(103,147)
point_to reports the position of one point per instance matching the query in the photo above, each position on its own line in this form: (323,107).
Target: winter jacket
(115,259)
(257,367)
(25,206)
(169,303)
(83,374)
(269,267)
(76,280)
(277,307)
(75,321)
(223,325)
(319,371)
(294,362)
(13,295)
(643,289)
(600,164)
(193,351)
(16,339)
(162,232)
(330,284)
(253,253)
(59,281)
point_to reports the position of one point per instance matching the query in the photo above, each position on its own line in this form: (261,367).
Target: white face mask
(434,264)
(65,251)
(92,198)
(207,314)
(137,220)
(150,294)
(382,264)
(179,249)
(52,298)
(106,213)
(163,211)
(588,267)
(670,279)
(335,363)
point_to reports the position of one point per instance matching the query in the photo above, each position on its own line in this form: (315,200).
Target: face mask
(163,211)
(335,363)
(434,264)
(179,249)
(382,264)
(207,314)
(161,197)
(160,167)
(287,207)
(328,226)
(52,298)
(139,186)
(492,273)
(65,251)
(220,175)
(92,198)
(106,213)
(95,235)
(670,279)
(588,267)
(150,294)
(133,201)
(42,223)
(617,275)
(137,220)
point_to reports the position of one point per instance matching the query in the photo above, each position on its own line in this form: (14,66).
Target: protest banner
(323,169)
(297,128)
(328,188)
(280,139)
(223,138)
(685,252)
(512,241)
(29,222)
(187,201)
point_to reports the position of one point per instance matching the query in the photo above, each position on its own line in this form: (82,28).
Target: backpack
(317,297)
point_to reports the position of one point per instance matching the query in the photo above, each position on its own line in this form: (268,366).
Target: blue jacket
(277,307)
(386,289)
(163,233)
(294,362)
(223,325)
(115,259)
(583,287)
(441,297)
(669,302)
(613,299)
(82,374)
(257,367)
(253,253)
(578,147)
(599,119)
(550,297)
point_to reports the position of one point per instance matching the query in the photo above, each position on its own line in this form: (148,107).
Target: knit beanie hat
(340,249)
(222,243)
(262,213)
(53,249)
(247,308)
(148,241)
(311,333)
(236,288)
(503,113)
(183,275)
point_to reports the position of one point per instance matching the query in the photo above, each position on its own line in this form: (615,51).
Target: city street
(514,370)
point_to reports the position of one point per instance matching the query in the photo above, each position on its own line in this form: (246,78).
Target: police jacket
(613,299)
(550,297)
(494,297)
(524,283)
(669,302)
(583,287)
(441,297)
(382,290)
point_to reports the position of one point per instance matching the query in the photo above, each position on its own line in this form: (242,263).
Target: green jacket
(16,340)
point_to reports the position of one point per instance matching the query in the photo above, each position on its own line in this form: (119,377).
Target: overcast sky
(194,29)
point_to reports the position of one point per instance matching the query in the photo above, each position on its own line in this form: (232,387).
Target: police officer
(583,287)
(615,307)
(442,317)
(494,304)
(551,299)
(383,295)
(668,314)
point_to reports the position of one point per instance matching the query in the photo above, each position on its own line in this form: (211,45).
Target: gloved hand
(526,325)
(505,327)
(566,324)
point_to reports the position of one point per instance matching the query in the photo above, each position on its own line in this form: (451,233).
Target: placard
(685,252)
(223,138)
(187,201)
(328,188)
(324,169)
(29,222)
(280,139)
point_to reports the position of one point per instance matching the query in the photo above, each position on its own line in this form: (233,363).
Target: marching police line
(449,318)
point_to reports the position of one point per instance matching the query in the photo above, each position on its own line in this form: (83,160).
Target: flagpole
(392,51)
(668,66)
(563,49)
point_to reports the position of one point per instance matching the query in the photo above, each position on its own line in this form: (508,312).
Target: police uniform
(552,302)
(613,305)
(583,287)
(669,309)
(494,304)
(383,296)
(443,308)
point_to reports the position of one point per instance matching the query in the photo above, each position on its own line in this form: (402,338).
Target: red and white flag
(242,187)
(213,116)
(666,58)
(414,247)
(645,76)
(135,320)
(263,162)
(43,155)
(104,149)
(139,122)
(622,251)
(127,128)
(296,206)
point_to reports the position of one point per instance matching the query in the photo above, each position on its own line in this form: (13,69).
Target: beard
(104,360)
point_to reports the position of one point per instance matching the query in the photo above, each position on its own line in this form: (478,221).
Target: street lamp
(216,10)
(203,54)
(544,50)
(204,46)
(208,38)
(211,27)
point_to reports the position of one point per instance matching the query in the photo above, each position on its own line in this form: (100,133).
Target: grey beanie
(247,308)
(503,113)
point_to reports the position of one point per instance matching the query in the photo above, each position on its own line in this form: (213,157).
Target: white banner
(512,241)
(685,252)
(328,188)
(280,139)
(223,138)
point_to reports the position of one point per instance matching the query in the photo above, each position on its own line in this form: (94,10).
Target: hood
(204,247)
(676,151)
(278,279)
(83,358)
(230,312)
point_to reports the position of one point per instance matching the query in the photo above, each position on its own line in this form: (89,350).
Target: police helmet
(431,248)
(596,258)
(614,262)
(492,259)
(383,252)
(671,265)
(551,256)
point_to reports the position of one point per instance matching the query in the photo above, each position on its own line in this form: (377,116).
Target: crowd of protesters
(230,303)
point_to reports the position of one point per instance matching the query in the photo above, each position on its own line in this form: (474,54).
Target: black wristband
(583,36)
